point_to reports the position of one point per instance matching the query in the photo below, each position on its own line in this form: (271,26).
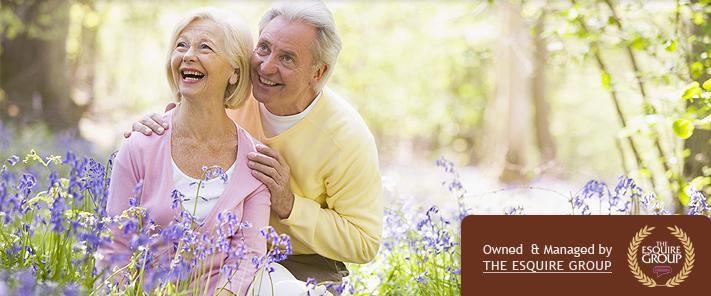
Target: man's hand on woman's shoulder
(151,123)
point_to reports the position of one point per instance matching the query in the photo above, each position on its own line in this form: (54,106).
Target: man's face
(283,71)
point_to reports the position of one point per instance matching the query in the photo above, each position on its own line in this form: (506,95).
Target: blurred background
(533,97)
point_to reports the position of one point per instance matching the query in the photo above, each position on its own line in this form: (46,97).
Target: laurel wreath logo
(648,281)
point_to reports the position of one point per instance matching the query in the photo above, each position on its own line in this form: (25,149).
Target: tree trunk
(541,108)
(512,91)
(35,72)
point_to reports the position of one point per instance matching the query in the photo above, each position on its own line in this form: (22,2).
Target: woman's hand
(151,123)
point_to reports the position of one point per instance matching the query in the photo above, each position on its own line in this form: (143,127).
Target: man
(321,163)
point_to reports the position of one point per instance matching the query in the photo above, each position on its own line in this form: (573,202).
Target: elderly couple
(314,178)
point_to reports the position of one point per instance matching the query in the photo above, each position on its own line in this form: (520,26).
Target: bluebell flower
(517,210)
(72,290)
(57,214)
(129,226)
(177,198)
(26,184)
(12,160)
(311,282)
(698,205)
(137,190)
(138,240)
(26,282)
(4,290)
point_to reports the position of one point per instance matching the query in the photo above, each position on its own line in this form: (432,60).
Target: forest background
(511,105)
(517,91)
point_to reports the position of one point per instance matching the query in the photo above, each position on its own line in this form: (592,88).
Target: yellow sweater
(338,210)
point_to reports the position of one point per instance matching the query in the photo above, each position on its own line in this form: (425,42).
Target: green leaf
(696,69)
(683,198)
(639,43)
(692,90)
(683,128)
(685,153)
(671,46)
(700,182)
(707,84)
(698,18)
(606,80)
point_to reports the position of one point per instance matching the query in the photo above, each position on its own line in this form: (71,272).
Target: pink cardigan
(148,158)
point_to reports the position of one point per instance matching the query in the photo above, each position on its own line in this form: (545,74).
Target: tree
(35,74)
(508,118)
(699,144)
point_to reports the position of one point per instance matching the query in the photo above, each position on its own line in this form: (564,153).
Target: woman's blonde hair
(238,47)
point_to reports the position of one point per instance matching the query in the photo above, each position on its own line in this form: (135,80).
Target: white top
(209,193)
(275,124)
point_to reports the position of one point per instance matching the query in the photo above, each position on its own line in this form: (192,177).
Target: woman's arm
(256,212)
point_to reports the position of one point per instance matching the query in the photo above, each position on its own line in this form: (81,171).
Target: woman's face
(199,64)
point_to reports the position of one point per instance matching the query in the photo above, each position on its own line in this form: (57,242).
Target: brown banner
(586,255)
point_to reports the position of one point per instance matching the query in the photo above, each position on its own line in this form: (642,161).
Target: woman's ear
(234,77)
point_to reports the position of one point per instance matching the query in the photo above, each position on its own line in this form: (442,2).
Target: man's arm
(151,123)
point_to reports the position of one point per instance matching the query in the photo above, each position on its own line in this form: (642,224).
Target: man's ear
(234,77)
(318,75)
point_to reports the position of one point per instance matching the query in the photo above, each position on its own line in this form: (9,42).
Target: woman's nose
(189,55)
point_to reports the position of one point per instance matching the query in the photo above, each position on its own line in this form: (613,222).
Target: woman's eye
(205,46)
(287,59)
(181,44)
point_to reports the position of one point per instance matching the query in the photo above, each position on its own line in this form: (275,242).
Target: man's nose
(268,65)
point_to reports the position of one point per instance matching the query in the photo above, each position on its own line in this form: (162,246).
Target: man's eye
(262,48)
(287,59)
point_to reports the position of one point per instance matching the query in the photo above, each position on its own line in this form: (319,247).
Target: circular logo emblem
(664,258)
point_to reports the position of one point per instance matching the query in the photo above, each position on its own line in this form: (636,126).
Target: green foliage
(420,256)
(626,38)
(707,84)
(418,75)
(683,128)
(692,91)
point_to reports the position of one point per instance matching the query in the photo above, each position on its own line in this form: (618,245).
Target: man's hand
(151,123)
(269,167)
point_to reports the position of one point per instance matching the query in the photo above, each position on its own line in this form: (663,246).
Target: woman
(208,72)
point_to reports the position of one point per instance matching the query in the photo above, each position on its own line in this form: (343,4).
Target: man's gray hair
(327,45)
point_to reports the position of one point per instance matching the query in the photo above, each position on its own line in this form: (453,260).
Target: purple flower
(698,205)
(517,210)
(177,197)
(173,232)
(454,186)
(72,290)
(137,241)
(27,182)
(311,282)
(129,226)
(137,190)
(214,172)
(13,160)
(26,282)
(57,214)
(4,290)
